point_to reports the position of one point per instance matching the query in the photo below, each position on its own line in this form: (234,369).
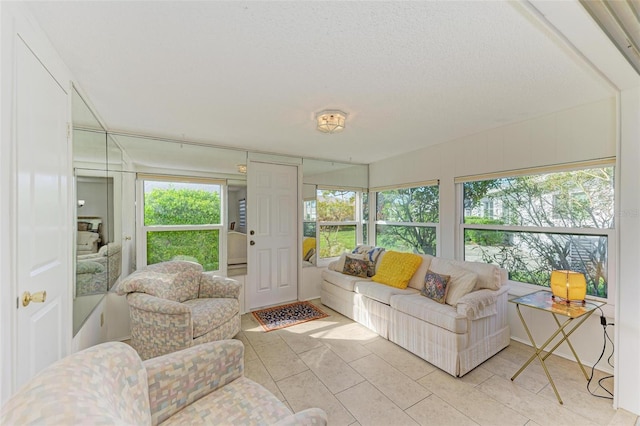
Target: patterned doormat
(287,315)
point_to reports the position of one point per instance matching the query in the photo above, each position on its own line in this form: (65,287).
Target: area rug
(287,315)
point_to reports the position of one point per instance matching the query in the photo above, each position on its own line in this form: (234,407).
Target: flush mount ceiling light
(242,168)
(331,121)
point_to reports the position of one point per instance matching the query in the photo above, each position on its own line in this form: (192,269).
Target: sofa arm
(478,304)
(181,378)
(310,416)
(214,286)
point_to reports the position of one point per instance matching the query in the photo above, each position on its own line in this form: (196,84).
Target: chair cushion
(209,314)
(341,280)
(380,292)
(428,310)
(178,287)
(242,401)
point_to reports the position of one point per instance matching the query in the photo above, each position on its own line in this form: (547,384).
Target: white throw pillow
(462,281)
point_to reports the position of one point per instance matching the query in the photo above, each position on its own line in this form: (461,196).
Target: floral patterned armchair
(110,384)
(174,305)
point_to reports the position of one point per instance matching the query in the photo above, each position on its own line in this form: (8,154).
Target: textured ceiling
(253,74)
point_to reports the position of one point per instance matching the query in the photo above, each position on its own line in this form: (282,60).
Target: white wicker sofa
(454,337)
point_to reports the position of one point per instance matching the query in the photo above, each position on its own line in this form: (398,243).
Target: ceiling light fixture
(242,168)
(331,121)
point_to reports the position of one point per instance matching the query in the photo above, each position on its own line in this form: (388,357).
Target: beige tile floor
(359,378)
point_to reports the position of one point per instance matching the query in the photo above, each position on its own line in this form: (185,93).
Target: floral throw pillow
(356,267)
(435,286)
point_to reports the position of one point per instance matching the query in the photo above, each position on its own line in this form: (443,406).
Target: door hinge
(17,303)
(68,130)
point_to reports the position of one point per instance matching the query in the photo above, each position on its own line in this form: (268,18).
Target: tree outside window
(337,221)
(406,219)
(541,223)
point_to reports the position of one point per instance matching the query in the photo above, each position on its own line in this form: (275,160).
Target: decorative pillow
(435,286)
(396,269)
(338,265)
(462,280)
(370,253)
(356,267)
(310,253)
(308,243)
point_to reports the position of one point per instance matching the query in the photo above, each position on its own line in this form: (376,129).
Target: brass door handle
(37,297)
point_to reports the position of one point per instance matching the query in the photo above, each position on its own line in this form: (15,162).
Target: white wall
(628,217)
(583,133)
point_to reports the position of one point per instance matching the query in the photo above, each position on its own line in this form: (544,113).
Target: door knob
(252,232)
(253,243)
(38,297)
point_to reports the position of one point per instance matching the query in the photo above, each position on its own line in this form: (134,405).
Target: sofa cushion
(341,280)
(425,309)
(462,281)
(417,280)
(435,286)
(356,267)
(380,292)
(396,268)
(209,314)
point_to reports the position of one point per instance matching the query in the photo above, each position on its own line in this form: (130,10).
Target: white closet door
(42,234)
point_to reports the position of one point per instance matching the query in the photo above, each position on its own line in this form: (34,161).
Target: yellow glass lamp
(568,286)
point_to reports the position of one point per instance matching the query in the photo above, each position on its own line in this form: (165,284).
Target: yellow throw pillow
(396,269)
(307,244)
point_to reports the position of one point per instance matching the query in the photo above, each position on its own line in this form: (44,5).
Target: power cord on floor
(603,322)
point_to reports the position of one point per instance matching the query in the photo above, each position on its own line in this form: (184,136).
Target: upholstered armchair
(110,384)
(174,305)
(98,272)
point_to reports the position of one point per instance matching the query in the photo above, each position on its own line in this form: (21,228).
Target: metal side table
(541,300)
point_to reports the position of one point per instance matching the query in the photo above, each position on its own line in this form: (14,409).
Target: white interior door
(42,236)
(272,214)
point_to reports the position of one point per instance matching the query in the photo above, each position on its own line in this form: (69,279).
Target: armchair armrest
(181,378)
(310,416)
(158,326)
(216,286)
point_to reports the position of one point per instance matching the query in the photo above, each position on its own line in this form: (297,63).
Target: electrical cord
(603,322)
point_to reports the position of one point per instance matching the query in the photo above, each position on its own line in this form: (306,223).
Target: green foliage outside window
(336,206)
(190,204)
(580,199)
(419,205)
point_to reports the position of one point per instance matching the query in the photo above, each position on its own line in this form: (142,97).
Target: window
(337,221)
(542,222)
(407,219)
(182,221)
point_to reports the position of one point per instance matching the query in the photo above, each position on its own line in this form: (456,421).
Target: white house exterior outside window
(531,224)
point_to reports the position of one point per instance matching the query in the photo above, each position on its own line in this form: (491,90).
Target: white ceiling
(253,74)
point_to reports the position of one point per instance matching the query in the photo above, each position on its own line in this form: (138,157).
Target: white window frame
(610,233)
(143,229)
(373,208)
(357,222)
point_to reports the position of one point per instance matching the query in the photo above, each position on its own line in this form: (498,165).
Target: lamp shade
(568,285)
